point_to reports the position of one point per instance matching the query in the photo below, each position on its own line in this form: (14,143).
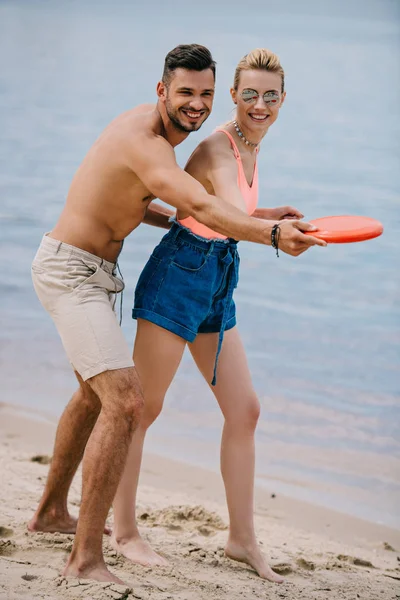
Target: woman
(184,296)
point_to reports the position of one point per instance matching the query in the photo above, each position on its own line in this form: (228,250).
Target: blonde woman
(184,296)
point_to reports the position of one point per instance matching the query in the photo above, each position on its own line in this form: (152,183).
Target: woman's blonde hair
(261,59)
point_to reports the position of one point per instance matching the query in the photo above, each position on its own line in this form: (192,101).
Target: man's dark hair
(192,57)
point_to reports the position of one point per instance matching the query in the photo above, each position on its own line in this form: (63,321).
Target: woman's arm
(218,167)
(277,214)
(214,163)
(158,216)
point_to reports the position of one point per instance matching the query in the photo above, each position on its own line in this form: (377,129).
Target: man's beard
(173,117)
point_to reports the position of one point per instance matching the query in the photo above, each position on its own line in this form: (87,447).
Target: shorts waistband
(181,232)
(56,246)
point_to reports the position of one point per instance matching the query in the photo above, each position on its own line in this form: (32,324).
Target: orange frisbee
(345,229)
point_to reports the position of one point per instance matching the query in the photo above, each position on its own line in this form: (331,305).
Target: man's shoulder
(138,122)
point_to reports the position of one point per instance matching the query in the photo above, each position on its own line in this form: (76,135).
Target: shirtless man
(73,272)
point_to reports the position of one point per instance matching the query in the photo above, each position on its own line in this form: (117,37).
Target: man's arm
(153,160)
(158,216)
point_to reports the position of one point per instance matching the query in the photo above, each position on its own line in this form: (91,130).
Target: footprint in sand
(283,568)
(76,589)
(57,541)
(189,518)
(5,532)
(28,577)
(7,547)
(358,562)
(206,556)
(387,546)
(42,459)
(307,565)
(198,551)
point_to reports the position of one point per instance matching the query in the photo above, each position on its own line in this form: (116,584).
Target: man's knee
(129,396)
(120,393)
(86,396)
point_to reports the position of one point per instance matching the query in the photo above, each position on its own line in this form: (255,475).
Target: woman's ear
(233,95)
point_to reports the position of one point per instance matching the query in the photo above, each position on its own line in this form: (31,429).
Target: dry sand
(323,554)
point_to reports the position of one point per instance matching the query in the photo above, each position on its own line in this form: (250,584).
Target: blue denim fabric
(187,286)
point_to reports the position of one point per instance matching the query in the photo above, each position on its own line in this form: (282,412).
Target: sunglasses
(270,98)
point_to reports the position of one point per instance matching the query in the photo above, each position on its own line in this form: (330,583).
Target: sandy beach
(322,554)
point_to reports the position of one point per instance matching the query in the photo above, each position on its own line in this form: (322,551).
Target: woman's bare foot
(252,556)
(138,551)
(97,573)
(51,522)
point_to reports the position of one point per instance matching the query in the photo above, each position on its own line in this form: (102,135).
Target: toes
(275,578)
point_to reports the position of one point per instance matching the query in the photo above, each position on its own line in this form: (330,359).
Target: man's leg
(121,400)
(157,355)
(239,404)
(73,431)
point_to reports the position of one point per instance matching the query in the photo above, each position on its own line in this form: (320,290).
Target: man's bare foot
(48,523)
(252,556)
(99,573)
(138,551)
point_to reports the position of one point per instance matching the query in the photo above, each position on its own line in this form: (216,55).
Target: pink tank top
(249,193)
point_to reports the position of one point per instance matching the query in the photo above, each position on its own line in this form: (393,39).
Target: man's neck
(168,130)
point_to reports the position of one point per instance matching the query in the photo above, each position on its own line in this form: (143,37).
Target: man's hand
(293,241)
(278,214)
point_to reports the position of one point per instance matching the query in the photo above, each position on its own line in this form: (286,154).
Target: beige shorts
(78,289)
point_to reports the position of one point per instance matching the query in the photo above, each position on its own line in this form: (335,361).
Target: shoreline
(315,515)
(182,508)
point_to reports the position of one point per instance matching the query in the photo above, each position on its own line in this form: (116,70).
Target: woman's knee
(152,410)
(245,418)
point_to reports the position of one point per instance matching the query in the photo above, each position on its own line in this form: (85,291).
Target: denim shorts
(187,285)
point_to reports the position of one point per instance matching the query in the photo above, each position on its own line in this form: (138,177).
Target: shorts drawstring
(122,294)
(232,260)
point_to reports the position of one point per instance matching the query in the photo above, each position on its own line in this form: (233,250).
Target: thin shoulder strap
(234,147)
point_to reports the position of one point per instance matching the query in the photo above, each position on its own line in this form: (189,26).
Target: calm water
(321,331)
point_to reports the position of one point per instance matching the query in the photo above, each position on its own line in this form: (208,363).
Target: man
(131,163)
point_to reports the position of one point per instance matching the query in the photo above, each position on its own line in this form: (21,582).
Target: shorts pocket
(80,273)
(189,258)
(37,268)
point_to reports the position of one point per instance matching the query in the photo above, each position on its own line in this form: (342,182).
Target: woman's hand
(277,214)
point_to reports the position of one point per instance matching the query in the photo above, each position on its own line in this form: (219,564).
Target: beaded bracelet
(275,235)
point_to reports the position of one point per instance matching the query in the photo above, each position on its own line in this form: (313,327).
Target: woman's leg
(157,354)
(240,407)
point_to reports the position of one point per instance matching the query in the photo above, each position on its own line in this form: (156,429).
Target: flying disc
(345,229)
